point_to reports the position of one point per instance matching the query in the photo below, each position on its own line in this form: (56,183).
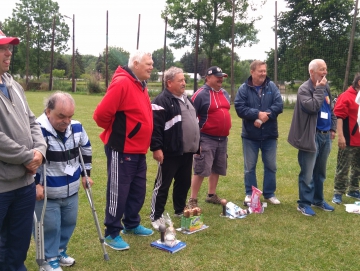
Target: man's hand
(83,181)
(35,163)
(39,192)
(341,142)
(264,116)
(258,123)
(158,156)
(322,82)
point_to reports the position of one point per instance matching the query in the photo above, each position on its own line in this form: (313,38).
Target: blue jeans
(313,171)
(59,223)
(16,217)
(268,153)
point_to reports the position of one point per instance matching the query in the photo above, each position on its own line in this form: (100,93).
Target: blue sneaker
(353,194)
(139,230)
(116,243)
(306,210)
(337,199)
(324,206)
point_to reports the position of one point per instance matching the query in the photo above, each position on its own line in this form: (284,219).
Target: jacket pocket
(135,130)
(354,130)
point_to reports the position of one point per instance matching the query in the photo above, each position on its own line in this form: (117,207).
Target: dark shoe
(324,206)
(214,199)
(337,199)
(306,210)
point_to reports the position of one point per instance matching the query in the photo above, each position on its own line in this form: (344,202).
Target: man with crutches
(65,138)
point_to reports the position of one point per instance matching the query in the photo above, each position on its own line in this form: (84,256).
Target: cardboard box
(192,223)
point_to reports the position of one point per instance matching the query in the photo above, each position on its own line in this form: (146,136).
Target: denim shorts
(212,158)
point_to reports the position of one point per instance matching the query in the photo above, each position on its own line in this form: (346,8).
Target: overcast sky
(90,25)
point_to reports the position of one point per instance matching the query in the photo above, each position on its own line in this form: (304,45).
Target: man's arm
(242,109)
(109,105)
(159,116)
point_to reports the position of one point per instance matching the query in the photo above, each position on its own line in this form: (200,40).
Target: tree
(117,57)
(158,56)
(79,64)
(58,73)
(215,17)
(61,64)
(154,76)
(315,29)
(188,62)
(100,64)
(32,21)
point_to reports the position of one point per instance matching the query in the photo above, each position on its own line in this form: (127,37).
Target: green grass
(279,239)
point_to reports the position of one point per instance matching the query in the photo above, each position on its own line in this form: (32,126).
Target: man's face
(143,68)
(60,116)
(319,72)
(258,75)
(177,85)
(5,56)
(214,81)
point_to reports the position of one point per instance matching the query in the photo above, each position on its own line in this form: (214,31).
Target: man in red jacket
(212,104)
(126,115)
(348,159)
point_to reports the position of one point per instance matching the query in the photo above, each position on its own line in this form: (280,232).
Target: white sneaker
(64,259)
(157,223)
(51,264)
(247,200)
(273,200)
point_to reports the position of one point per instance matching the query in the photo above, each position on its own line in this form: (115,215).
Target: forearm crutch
(89,196)
(39,227)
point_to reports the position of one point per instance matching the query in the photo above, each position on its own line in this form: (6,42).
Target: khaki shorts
(212,158)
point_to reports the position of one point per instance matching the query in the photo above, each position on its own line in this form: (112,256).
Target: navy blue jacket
(248,104)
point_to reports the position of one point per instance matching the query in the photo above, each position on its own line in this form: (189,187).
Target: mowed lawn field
(279,239)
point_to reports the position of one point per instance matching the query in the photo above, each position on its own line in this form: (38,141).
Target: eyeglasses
(4,48)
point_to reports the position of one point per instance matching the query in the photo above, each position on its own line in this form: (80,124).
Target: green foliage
(62,64)
(32,22)
(154,75)
(215,17)
(94,85)
(117,56)
(242,71)
(158,58)
(59,73)
(79,64)
(315,29)
(188,62)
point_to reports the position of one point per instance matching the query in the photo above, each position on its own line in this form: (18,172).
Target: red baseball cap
(8,40)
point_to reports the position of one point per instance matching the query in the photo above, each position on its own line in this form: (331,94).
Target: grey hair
(170,74)
(256,63)
(137,56)
(57,96)
(314,64)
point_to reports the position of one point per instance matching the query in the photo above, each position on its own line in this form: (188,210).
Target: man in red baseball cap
(22,151)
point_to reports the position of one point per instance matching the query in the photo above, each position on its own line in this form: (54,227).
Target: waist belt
(322,132)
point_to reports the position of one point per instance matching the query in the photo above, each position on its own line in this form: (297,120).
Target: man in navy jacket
(258,102)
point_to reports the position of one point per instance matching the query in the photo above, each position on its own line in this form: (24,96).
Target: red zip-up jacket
(347,109)
(125,113)
(213,111)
